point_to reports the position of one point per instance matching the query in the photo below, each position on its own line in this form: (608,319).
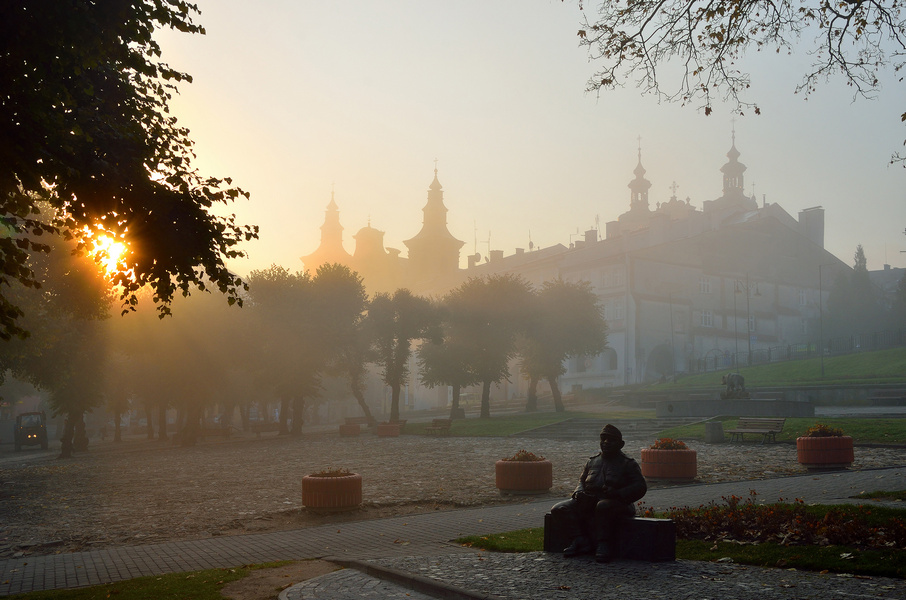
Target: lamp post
(748,290)
(735,331)
(821,320)
(672,342)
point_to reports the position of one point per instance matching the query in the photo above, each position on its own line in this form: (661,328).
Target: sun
(108,252)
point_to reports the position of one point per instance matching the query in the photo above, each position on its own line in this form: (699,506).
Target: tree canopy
(862,41)
(85,126)
(567,321)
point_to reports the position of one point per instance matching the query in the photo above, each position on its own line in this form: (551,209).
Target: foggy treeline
(273,352)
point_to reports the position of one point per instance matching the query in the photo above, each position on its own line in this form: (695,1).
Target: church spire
(638,197)
(733,171)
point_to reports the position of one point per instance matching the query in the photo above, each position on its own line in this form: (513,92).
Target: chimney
(591,236)
(496,255)
(520,251)
(811,224)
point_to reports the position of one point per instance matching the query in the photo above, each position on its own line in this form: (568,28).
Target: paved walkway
(418,546)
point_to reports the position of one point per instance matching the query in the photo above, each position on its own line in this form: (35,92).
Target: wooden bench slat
(765,426)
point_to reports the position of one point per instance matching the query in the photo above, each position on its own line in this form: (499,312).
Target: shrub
(668,444)
(789,524)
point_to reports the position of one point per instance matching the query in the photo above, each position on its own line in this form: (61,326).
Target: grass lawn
(835,558)
(511,424)
(197,585)
(882,366)
(862,430)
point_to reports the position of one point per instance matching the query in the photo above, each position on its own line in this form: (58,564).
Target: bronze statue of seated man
(609,487)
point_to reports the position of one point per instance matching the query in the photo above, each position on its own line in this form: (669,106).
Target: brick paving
(414,541)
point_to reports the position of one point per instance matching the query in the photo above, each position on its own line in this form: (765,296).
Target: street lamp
(748,288)
(821,320)
(672,342)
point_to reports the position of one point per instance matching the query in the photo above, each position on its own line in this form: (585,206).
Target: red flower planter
(524,476)
(332,493)
(677,465)
(349,430)
(388,430)
(830,452)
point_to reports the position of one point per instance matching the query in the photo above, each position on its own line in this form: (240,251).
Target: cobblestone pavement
(420,544)
(148,492)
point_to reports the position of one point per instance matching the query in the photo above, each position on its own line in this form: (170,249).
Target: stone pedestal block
(651,540)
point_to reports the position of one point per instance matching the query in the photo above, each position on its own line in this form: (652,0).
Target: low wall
(734,407)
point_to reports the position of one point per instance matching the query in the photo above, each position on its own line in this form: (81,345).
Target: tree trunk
(486,400)
(189,434)
(284,416)
(298,411)
(244,416)
(117,429)
(395,403)
(555,392)
(162,422)
(148,414)
(454,404)
(80,436)
(360,398)
(531,401)
(66,440)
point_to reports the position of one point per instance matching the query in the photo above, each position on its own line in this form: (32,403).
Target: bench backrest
(761,423)
(442,422)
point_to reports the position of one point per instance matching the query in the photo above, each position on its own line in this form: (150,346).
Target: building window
(617,311)
(617,278)
(704,285)
(803,298)
(804,326)
(707,318)
(751,322)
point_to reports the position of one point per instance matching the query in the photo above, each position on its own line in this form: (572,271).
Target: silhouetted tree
(566,321)
(292,358)
(861,41)
(85,124)
(395,323)
(491,312)
(449,361)
(342,301)
(65,353)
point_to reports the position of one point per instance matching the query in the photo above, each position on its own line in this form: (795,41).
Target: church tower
(331,249)
(639,212)
(433,252)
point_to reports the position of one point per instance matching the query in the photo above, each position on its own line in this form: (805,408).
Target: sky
(298,100)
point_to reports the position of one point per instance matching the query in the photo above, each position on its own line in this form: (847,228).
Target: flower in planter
(333,472)
(822,430)
(668,444)
(669,459)
(333,489)
(523,473)
(824,447)
(524,456)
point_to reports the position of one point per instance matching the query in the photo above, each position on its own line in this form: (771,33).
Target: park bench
(361,421)
(263,427)
(439,427)
(652,540)
(764,426)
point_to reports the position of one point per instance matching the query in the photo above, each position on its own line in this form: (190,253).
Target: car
(30,430)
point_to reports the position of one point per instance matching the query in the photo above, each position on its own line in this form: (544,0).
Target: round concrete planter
(820,453)
(349,430)
(388,429)
(339,493)
(524,476)
(674,465)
